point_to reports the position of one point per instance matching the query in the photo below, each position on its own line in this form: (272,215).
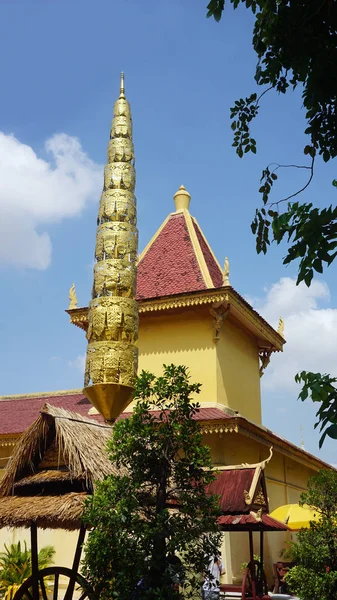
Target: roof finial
(72,297)
(226,272)
(280,328)
(182,198)
(122,89)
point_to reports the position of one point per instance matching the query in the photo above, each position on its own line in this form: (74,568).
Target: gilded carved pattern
(264,355)
(219,428)
(117,205)
(113,312)
(119,175)
(219,315)
(260,499)
(116,240)
(110,362)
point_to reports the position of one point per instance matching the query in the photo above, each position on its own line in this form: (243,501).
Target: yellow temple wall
(64,542)
(5,452)
(238,378)
(182,339)
(228,370)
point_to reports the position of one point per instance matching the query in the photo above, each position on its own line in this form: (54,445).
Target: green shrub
(16,564)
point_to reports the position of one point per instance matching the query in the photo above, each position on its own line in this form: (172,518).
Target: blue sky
(60,73)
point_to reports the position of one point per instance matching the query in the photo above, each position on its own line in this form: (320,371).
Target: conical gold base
(110,399)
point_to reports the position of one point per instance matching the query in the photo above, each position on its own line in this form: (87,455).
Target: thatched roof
(48,512)
(53,468)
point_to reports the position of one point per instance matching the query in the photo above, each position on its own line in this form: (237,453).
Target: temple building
(189,314)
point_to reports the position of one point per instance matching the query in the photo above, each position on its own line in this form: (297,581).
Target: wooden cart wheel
(254,583)
(247,588)
(75,586)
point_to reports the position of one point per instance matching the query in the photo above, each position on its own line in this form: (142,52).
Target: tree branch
(302,189)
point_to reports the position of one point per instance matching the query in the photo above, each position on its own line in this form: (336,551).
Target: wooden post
(34,558)
(251,549)
(261,561)
(252,566)
(76,563)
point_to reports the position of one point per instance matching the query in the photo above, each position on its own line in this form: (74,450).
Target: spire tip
(122,89)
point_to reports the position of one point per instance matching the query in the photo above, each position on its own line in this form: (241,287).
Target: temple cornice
(240,310)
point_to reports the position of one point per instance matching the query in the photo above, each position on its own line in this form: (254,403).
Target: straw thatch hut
(53,469)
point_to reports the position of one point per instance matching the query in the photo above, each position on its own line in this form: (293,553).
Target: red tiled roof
(249,522)
(16,414)
(230,486)
(171,266)
(213,267)
(19,413)
(204,414)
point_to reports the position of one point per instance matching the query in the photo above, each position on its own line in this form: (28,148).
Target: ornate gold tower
(112,357)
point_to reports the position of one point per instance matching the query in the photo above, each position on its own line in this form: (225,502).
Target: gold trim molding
(8,441)
(227,295)
(219,427)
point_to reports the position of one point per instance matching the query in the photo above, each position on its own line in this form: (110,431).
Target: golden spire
(111,364)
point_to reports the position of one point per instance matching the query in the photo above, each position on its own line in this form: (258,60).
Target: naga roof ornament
(112,355)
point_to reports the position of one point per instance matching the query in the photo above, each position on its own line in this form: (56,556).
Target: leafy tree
(321,389)
(154,525)
(315,552)
(296,45)
(16,565)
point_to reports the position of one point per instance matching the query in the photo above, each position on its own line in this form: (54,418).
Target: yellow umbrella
(295,516)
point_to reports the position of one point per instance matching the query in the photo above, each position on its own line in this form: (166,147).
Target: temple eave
(240,311)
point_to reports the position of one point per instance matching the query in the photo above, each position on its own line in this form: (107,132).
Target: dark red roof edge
(250,523)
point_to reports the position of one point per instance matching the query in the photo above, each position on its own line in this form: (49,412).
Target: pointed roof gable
(178,259)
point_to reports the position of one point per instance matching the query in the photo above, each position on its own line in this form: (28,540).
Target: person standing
(211,585)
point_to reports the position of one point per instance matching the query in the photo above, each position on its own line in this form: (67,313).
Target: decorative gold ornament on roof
(226,272)
(302,438)
(72,297)
(112,356)
(182,199)
(280,328)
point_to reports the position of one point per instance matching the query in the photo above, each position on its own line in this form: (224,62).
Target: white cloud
(310,331)
(78,363)
(36,192)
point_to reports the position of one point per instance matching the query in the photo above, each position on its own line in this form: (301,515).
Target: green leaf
(317,264)
(331,431)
